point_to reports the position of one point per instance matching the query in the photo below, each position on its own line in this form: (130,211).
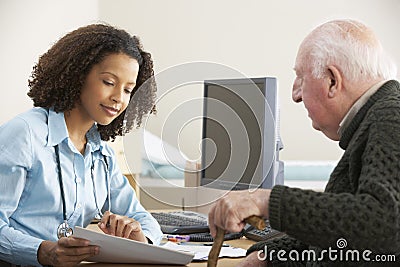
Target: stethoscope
(64,230)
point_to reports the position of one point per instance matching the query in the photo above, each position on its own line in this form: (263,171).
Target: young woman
(56,169)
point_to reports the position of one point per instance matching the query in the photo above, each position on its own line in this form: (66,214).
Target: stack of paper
(121,250)
(201,251)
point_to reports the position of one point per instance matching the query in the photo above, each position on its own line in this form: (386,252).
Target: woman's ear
(335,81)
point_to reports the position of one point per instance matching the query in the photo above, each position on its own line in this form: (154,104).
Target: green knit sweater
(360,208)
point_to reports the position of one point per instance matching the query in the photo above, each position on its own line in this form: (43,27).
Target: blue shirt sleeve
(30,200)
(16,160)
(125,202)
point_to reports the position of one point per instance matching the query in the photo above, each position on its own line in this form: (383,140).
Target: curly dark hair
(58,77)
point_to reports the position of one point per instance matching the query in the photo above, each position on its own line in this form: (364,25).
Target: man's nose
(297,94)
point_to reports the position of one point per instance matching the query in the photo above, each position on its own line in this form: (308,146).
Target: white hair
(351,46)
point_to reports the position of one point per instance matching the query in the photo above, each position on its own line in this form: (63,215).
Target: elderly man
(343,77)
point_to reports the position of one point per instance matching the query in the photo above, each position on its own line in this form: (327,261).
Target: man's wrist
(261,198)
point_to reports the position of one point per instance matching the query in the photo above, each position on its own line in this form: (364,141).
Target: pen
(177,238)
(210,244)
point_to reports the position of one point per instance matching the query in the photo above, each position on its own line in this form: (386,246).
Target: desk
(223,262)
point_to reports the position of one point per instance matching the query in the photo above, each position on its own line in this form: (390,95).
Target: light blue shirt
(30,198)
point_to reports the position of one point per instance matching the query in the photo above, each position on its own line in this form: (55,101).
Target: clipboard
(115,249)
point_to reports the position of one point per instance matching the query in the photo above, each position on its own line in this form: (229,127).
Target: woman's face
(108,87)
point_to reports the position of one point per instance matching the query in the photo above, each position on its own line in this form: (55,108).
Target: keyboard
(195,225)
(182,222)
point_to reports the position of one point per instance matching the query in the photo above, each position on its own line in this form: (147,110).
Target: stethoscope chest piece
(64,230)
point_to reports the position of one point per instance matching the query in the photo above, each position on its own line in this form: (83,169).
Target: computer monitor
(240,137)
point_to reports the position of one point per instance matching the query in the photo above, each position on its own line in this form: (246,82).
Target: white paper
(201,252)
(121,250)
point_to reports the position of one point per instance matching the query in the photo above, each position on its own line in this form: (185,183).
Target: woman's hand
(122,226)
(67,251)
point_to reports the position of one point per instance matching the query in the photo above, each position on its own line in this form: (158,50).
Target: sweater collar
(386,89)
(357,106)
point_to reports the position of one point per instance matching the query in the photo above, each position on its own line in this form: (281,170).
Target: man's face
(313,93)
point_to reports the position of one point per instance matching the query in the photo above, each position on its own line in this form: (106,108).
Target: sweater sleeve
(366,216)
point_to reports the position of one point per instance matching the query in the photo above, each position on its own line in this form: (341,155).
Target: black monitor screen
(239,133)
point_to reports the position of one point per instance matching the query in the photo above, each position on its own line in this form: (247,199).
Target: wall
(255,38)
(28,29)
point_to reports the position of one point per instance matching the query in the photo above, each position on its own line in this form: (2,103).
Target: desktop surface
(243,242)
(222,262)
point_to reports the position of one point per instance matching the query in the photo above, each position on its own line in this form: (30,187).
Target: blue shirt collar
(57,128)
(94,139)
(58,132)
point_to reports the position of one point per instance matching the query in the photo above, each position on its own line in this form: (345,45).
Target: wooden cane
(253,220)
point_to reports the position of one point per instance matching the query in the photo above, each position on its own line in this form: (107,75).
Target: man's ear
(335,80)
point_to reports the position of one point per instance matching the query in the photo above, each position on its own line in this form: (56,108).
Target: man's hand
(230,211)
(67,251)
(122,226)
